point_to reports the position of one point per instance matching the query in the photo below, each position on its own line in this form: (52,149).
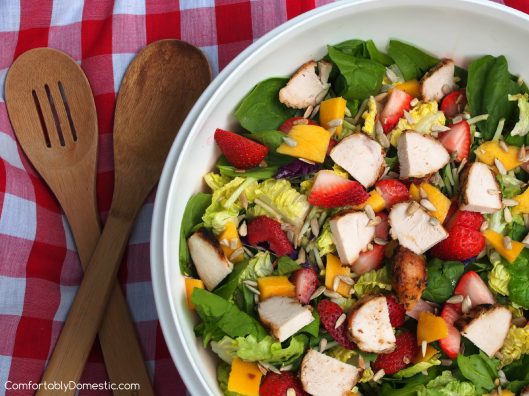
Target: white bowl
(459,29)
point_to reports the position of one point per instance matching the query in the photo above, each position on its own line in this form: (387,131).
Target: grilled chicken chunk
(322,375)
(413,227)
(209,259)
(481,192)
(409,277)
(438,81)
(419,155)
(361,157)
(305,88)
(351,234)
(284,316)
(369,325)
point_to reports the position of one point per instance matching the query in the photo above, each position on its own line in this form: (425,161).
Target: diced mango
(191,284)
(270,286)
(491,150)
(435,196)
(332,109)
(496,240)
(375,200)
(523,203)
(504,392)
(245,378)
(411,87)
(229,241)
(333,269)
(430,353)
(309,142)
(430,328)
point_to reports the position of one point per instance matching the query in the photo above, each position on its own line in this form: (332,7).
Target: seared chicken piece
(481,192)
(369,325)
(305,88)
(322,375)
(209,259)
(438,81)
(409,277)
(351,234)
(420,155)
(414,227)
(361,156)
(284,316)
(486,327)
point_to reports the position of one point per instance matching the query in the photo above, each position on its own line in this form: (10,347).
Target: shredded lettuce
(372,281)
(499,278)
(216,180)
(425,116)
(510,185)
(522,126)
(340,171)
(259,266)
(369,116)
(343,354)
(324,242)
(418,368)
(447,385)
(515,345)
(306,185)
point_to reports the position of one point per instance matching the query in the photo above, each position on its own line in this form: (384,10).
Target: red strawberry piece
(331,145)
(401,357)
(332,191)
(398,102)
(471,285)
(329,313)
(306,282)
(451,343)
(463,243)
(288,124)
(466,218)
(264,229)
(454,207)
(278,384)
(240,152)
(397,312)
(369,260)
(454,103)
(382,229)
(457,139)
(393,191)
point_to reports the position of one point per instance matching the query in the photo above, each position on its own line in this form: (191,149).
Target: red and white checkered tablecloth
(39,268)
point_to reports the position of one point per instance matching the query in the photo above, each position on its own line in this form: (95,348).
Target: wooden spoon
(159,88)
(52,110)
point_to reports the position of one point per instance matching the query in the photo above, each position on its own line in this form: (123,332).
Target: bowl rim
(171,327)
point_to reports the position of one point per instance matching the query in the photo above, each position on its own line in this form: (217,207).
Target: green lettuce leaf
(510,185)
(324,241)
(515,345)
(519,271)
(417,368)
(442,279)
(412,62)
(216,180)
(522,126)
(372,281)
(285,266)
(499,278)
(479,369)
(447,385)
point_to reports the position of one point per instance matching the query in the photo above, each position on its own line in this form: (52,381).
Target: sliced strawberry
(419,307)
(465,218)
(369,260)
(278,384)
(397,312)
(454,103)
(382,229)
(457,140)
(264,229)
(329,313)
(401,357)
(288,124)
(471,285)
(398,102)
(240,152)
(454,207)
(393,191)
(331,145)
(451,343)
(463,243)
(332,191)
(306,282)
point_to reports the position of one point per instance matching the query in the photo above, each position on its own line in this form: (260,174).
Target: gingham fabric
(39,268)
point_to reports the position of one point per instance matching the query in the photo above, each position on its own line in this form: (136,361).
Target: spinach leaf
(479,369)
(442,279)
(519,271)
(353,47)
(229,286)
(257,173)
(359,78)
(195,208)
(271,139)
(518,374)
(412,62)
(313,328)
(285,266)
(489,84)
(215,311)
(376,55)
(261,110)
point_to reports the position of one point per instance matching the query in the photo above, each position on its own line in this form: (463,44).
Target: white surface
(462,29)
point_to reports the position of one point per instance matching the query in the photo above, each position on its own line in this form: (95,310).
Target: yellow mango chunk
(435,196)
(430,328)
(496,240)
(375,200)
(490,150)
(333,269)
(191,284)
(229,242)
(309,142)
(523,203)
(411,87)
(430,353)
(271,286)
(332,109)
(245,378)
(504,392)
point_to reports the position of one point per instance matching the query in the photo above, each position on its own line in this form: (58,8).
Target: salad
(365,230)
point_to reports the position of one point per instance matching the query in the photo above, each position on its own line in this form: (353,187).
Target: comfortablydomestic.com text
(69,386)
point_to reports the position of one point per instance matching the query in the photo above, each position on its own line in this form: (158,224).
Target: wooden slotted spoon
(159,88)
(52,110)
